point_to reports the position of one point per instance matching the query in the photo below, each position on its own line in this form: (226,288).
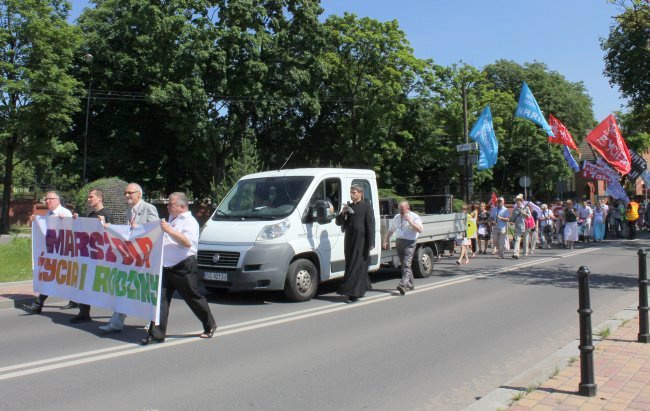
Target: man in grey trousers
(138,212)
(407,225)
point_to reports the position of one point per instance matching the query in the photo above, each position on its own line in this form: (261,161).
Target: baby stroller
(582,235)
(547,233)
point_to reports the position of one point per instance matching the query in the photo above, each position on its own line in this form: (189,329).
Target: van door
(326,238)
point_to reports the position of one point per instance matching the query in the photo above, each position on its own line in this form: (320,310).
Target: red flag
(608,141)
(493,200)
(561,134)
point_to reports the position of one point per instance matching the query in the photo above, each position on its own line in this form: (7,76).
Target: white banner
(118,268)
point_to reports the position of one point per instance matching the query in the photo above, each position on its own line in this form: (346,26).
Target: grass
(521,394)
(16,258)
(556,371)
(603,332)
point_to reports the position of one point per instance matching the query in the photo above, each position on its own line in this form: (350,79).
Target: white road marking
(49,364)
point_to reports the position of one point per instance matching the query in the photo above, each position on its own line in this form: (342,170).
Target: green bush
(113,189)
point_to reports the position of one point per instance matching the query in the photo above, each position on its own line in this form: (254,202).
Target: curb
(501,398)
(18,299)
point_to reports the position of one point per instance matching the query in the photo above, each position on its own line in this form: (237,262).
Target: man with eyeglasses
(138,212)
(54,208)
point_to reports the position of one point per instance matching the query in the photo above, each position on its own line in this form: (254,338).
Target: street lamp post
(88,58)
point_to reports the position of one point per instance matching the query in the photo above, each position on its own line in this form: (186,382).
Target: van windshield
(268,198)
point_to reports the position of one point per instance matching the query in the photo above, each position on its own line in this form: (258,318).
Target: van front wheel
(302,281)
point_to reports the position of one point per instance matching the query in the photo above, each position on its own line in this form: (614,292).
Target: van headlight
(273,231)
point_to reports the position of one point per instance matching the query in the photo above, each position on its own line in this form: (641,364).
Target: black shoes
(70,305)
(401,289)
(80,319)
(151,340)
(209,333)
(515,256)
(33,308)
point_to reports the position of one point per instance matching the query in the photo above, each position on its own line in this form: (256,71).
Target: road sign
(524,181)
(473,159)
(467,147)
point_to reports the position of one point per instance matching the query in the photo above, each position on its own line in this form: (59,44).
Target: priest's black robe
(359,228)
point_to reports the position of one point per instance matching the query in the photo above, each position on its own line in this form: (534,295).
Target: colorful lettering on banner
(116,268)
(604,167)
(607,140)
(594,171)
(561,134)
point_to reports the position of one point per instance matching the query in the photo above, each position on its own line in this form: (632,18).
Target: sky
(563,34)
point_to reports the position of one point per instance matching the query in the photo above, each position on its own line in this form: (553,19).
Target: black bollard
(644,336)
(587,386)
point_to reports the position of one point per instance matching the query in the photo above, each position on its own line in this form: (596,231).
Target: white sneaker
(109,328)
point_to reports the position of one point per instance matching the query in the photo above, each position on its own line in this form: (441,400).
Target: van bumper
(259,267)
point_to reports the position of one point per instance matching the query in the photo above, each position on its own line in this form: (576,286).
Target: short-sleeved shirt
(403,229)
(104,212)
(174,253)
(502,212)
(60,211)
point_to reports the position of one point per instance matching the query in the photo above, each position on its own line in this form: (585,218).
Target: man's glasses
(128,193)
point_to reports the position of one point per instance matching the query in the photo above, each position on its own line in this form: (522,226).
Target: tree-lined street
(459,335)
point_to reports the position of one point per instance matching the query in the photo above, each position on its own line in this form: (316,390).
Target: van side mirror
(323,215)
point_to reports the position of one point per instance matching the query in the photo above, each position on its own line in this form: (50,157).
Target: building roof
(588,153)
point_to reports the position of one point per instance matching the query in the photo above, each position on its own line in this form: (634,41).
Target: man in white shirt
(180,245)
(585,212)
(407,225)
(138,212)
(54,208)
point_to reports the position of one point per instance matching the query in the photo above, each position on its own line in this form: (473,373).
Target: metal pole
(86,134)
(466,135)
(644,336)
(587,385)
(88,58)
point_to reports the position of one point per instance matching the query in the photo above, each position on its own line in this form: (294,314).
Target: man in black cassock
(358,222)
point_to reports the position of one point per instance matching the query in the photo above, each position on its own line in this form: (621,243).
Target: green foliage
(16,257)
(38,90)
(248,162)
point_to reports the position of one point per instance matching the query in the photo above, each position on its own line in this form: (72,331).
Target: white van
(275,230)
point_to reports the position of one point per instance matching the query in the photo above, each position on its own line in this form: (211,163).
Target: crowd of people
(561,224)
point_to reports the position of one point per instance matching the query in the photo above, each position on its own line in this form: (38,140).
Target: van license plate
(215,276)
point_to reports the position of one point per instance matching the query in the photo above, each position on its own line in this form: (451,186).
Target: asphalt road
(459,335)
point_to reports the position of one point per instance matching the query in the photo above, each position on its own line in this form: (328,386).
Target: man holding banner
(54,208)
(139,212)
(180,245)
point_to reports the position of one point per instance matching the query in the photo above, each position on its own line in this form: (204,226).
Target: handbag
(530,222)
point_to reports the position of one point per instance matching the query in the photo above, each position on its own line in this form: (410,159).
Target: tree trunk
(7,183)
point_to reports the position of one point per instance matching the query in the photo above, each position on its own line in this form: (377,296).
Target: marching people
(632,215)
(180,245)
(54,207)
(546,221)
(473,214)
(95,201)
(501,218)
(570,221)
(483,229)
(357,220)
(519,215)
(599,218)
(585,214)
(138,212)
(407,225)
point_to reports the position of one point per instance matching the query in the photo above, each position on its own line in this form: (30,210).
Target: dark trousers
(631,229)
(84,310)
(183,277)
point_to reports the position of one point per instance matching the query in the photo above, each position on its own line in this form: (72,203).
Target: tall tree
(38,92)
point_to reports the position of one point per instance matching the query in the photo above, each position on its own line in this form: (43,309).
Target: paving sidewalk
(17,293)
(622,373)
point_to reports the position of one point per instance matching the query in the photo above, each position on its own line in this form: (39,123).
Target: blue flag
(529,109)
(569,159)
(483,134)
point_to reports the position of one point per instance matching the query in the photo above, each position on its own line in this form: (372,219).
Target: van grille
(226,259)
